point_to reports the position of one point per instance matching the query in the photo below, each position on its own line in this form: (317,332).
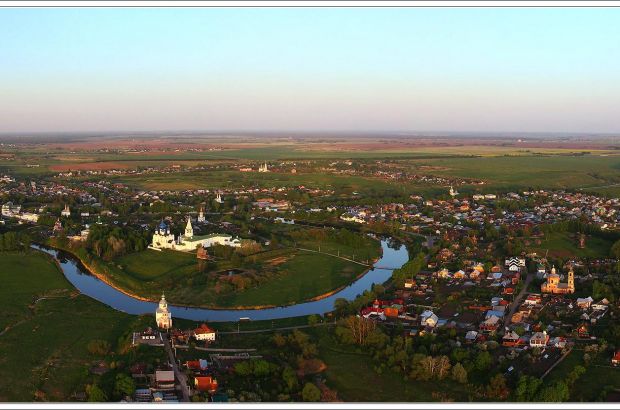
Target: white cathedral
(263,168)
(164,239)
(163,317)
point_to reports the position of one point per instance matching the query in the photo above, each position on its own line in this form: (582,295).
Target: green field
(289,277)
(501,167)
(234,179)
(43,346)
(522,172)
(564,245)
(150,265)
(593,173)
(305,276)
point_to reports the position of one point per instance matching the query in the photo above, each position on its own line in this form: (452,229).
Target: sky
(310,69)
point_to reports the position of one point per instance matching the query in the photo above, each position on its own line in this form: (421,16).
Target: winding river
(394,256)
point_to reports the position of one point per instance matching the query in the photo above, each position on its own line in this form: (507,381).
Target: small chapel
(163,318)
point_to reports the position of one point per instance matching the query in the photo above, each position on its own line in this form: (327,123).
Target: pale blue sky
(414,69)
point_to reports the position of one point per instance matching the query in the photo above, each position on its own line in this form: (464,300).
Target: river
(394,255)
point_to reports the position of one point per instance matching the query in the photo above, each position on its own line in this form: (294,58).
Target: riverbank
(95,270)
(89,285)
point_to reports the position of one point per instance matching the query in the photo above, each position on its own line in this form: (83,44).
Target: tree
(527,387)
(615,249)
(497,388)
(98,347)
(243,368)
(341,306)
(442,367)
(95,394)
(124,385)
(261,368)
(459,374)
(290,379)
(557,392)
(313,319)
(360,328)
(574,375)
(310,393)
(279,340)
(483,361)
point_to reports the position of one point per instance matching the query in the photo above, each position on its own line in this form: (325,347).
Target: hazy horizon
(321,70)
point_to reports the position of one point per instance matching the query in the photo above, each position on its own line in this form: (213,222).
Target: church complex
(164,239)
(553,284)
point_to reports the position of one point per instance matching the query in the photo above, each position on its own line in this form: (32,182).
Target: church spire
(189,230)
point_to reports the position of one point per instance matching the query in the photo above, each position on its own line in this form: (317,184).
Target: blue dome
(163,225)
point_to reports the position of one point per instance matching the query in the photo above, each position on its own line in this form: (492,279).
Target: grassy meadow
(286,277)
(46,328)
(565,245)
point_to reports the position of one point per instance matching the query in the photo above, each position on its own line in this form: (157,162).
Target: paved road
(517,300)
(180,376)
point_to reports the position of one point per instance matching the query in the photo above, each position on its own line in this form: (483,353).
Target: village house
(583,331)
(533,300)
(199,365)
(584,303)
(471,336)
(428,318)
(205,384)
(490,324)
(510,339)
(615,360)
(539,339)
(204,333)
(164,379)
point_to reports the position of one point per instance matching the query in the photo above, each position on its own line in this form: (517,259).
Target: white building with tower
(163,318)
(66,212)
(263,168)
(201,216)
(164,239)
(218,198)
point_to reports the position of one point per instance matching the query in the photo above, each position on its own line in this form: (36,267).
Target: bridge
(348,259)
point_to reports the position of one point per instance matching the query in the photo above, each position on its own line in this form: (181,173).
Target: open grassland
(44,347)
(565,245)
